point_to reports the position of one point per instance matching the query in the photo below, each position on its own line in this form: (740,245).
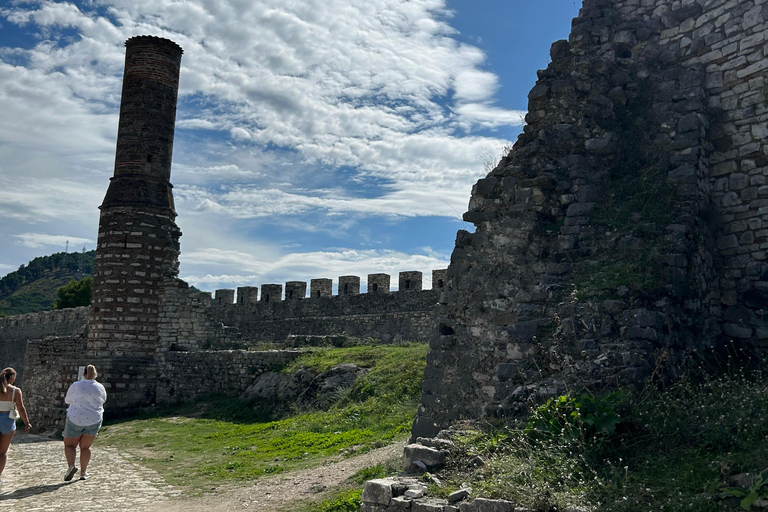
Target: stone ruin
(627,227)
(152,338)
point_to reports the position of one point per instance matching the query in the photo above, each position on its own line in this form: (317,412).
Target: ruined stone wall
(15,331)
(210,373)
(627,221)
(52,366)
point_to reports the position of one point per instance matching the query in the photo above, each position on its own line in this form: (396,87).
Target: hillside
(33,287)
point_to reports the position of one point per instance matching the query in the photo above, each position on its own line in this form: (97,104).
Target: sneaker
(83,475)
(70,473)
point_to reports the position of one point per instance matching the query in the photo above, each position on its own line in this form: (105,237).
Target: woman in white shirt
(9,395)
(84,416)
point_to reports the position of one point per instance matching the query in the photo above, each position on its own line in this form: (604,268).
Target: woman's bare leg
(5,442)
(70,449)
(85,451)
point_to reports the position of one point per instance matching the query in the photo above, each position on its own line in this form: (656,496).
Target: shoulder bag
(14,412)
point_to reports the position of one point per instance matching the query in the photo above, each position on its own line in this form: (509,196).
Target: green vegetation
(670,448)
(74,294)
(203,445)
(33,287)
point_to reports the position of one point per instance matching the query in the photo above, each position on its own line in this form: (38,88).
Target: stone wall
(209,373)
(627,221)
(15,331)
(394,316)
(52,365)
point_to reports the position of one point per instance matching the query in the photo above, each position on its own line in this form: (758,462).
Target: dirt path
(275,493)
(32,481)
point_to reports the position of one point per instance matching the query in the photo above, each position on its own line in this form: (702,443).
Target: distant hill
(33,287)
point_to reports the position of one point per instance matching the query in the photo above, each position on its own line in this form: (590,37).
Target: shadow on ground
(35,490)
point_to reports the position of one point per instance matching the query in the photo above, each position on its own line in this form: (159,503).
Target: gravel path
(33,481)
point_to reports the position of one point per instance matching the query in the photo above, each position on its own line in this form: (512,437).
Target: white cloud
(337,108)
(311,265)
(38,240)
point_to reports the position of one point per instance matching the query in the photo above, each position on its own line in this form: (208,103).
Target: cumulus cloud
(311,265)
(288,108)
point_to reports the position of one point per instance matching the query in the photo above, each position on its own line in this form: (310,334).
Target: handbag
(14,412)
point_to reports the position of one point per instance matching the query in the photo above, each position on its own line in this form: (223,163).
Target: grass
(671,449)
(200,446)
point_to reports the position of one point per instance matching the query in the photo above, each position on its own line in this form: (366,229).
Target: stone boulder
(324,388)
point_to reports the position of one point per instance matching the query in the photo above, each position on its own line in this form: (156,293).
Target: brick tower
(138,241)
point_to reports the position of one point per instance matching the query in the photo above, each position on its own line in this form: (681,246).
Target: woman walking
(10,399)
(84,416)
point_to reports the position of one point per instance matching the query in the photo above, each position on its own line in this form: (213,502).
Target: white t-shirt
(86,402)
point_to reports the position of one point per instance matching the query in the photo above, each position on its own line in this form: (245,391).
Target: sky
(314,138)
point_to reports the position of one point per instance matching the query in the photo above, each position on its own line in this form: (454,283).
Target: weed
(347,501)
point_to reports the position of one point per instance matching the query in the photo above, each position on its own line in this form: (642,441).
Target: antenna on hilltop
(66,246)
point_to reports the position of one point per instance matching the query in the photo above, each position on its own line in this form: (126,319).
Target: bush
(75,294)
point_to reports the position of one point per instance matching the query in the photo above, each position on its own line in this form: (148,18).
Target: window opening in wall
(266,298)
(289,294)
(375,287)
(149,159)
(318,293)
(407,284)
(346,288)
(440,283)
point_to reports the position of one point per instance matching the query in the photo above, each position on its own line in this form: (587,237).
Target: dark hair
(5,376)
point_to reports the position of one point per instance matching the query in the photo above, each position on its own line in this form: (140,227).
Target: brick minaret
(138,244)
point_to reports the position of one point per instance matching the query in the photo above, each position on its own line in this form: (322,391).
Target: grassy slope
(202,445)
(37,295)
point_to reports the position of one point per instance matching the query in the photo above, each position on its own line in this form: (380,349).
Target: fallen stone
(429,456)
(377,492)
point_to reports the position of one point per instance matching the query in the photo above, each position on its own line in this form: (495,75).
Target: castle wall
(626,223)
(52,365)
(15,331)
(389,317)
(209,373)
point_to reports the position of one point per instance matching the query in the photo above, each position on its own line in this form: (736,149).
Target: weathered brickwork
(138,242)
(16,331)
(204,374)
(394,316)
(628,220)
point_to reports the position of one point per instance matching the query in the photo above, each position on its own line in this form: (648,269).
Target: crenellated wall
(194,338)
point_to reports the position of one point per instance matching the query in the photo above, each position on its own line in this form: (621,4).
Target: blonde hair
(5,376)
(90,372)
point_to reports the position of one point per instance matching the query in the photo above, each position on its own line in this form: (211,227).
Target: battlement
(408,281)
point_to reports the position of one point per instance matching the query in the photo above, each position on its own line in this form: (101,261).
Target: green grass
(671,450)
(200,446)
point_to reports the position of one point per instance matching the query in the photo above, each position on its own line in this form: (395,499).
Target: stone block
(485,505)
(427,506)
(429,456)
(523,331)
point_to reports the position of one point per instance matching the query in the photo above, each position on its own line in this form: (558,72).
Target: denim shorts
(7,425)
(72,430)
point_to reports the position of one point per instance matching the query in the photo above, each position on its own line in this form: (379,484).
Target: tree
(74,294)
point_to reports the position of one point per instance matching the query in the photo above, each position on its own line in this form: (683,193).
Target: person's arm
(68,397)
(23,411)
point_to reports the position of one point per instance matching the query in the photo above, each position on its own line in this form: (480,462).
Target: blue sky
(314,138)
